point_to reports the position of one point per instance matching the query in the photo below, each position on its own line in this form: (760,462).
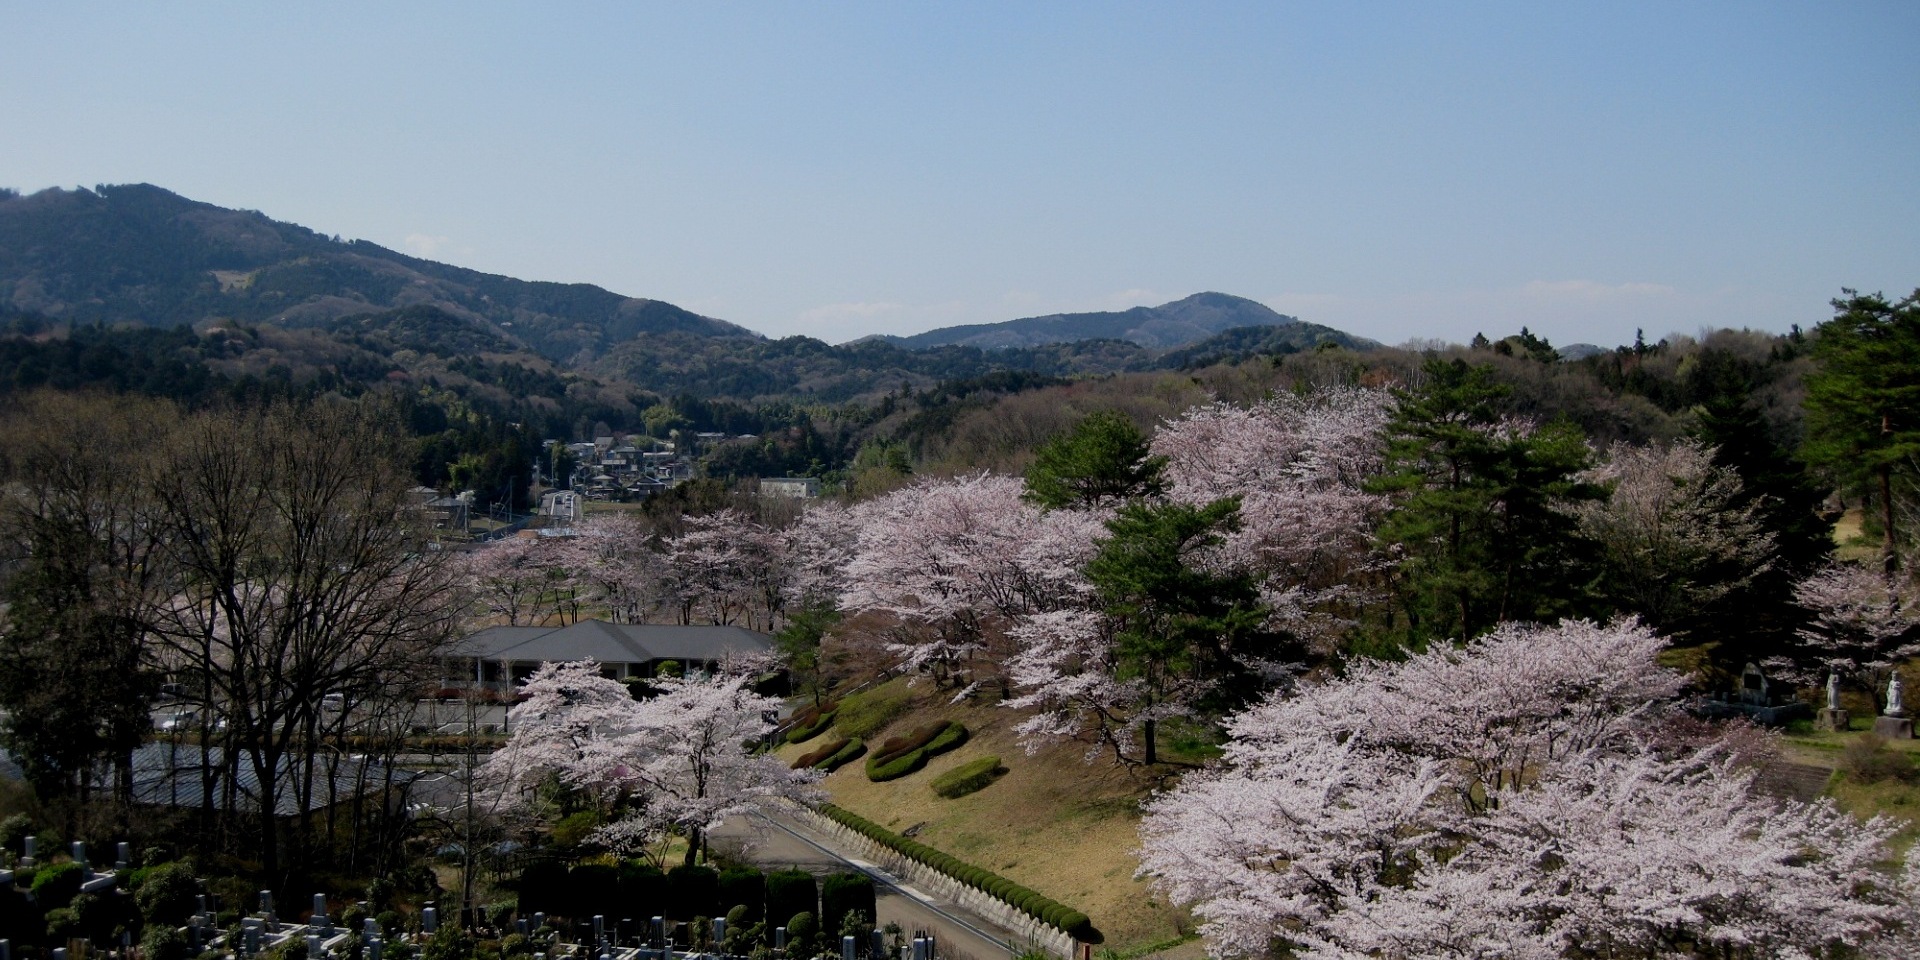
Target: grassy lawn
(1897,796)
(1057,824)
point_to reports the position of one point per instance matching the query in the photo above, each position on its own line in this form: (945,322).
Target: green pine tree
(1863,400)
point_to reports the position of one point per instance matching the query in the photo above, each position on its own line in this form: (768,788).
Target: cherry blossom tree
(1676,532)
(1503,799)
(726,567)
(622,574)
(689,754)
(1864,623)
(673,765)
(817,549)
(1295,464)
(1298,463)
(955,561)
(507,581)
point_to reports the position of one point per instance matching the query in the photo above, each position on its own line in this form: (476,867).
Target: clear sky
(835,169)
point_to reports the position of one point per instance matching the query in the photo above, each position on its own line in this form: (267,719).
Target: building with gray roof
(499,656)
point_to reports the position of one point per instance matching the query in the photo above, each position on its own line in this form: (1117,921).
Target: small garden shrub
(802,931)
(953,736)
(894,746)
(900,766)
(968,777)
(813,757)
(54,887)
(1868,759)
(162,942)
(14,832)
(166,894)
(845,755)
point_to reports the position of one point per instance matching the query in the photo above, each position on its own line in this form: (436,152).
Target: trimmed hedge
(968,777)
(811,722)
(1044,909)
(744,887)
(896,768)
(893,747)
(843,893)
(900,756)
(790,892)
(813,757)
(845,755)
(694,892)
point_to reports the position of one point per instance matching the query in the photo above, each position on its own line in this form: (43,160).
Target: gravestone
(1753,687)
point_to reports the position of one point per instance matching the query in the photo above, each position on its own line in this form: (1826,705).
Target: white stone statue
(1833,690)
(1896,707)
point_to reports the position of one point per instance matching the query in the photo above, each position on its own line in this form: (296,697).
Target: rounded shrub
(952,736)
(166,896)
(968,777)
(816,755)
(55,886)
(851,751)
(163,942)
(802,931)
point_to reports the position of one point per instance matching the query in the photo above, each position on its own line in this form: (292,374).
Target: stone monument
(1894,723)
(1832,716)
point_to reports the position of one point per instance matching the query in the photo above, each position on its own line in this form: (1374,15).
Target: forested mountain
(333,312)
(140,254)
(1168,325)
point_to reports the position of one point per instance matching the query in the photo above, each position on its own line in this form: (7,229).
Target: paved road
(777,841)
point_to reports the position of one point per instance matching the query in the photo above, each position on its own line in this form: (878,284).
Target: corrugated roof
(168,774)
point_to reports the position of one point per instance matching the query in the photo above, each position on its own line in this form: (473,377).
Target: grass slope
(1053,823)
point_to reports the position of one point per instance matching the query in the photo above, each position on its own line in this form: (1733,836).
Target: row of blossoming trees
(1534,792)
(724,568)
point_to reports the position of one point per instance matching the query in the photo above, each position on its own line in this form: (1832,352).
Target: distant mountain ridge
(297,307)
(139,253)
(1167,326)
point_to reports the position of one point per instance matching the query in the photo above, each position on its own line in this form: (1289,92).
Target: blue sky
(1396,170)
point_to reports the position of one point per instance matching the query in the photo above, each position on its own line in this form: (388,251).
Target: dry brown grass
(1054,823)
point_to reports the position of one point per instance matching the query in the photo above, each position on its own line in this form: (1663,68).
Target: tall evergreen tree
(1476,516)
(1760,619)
(1179,623)
(1863,400)
(1104,459)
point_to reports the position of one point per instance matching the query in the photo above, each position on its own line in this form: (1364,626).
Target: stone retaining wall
(1026,928)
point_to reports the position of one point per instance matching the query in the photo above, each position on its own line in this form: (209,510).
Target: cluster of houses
(629,468)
